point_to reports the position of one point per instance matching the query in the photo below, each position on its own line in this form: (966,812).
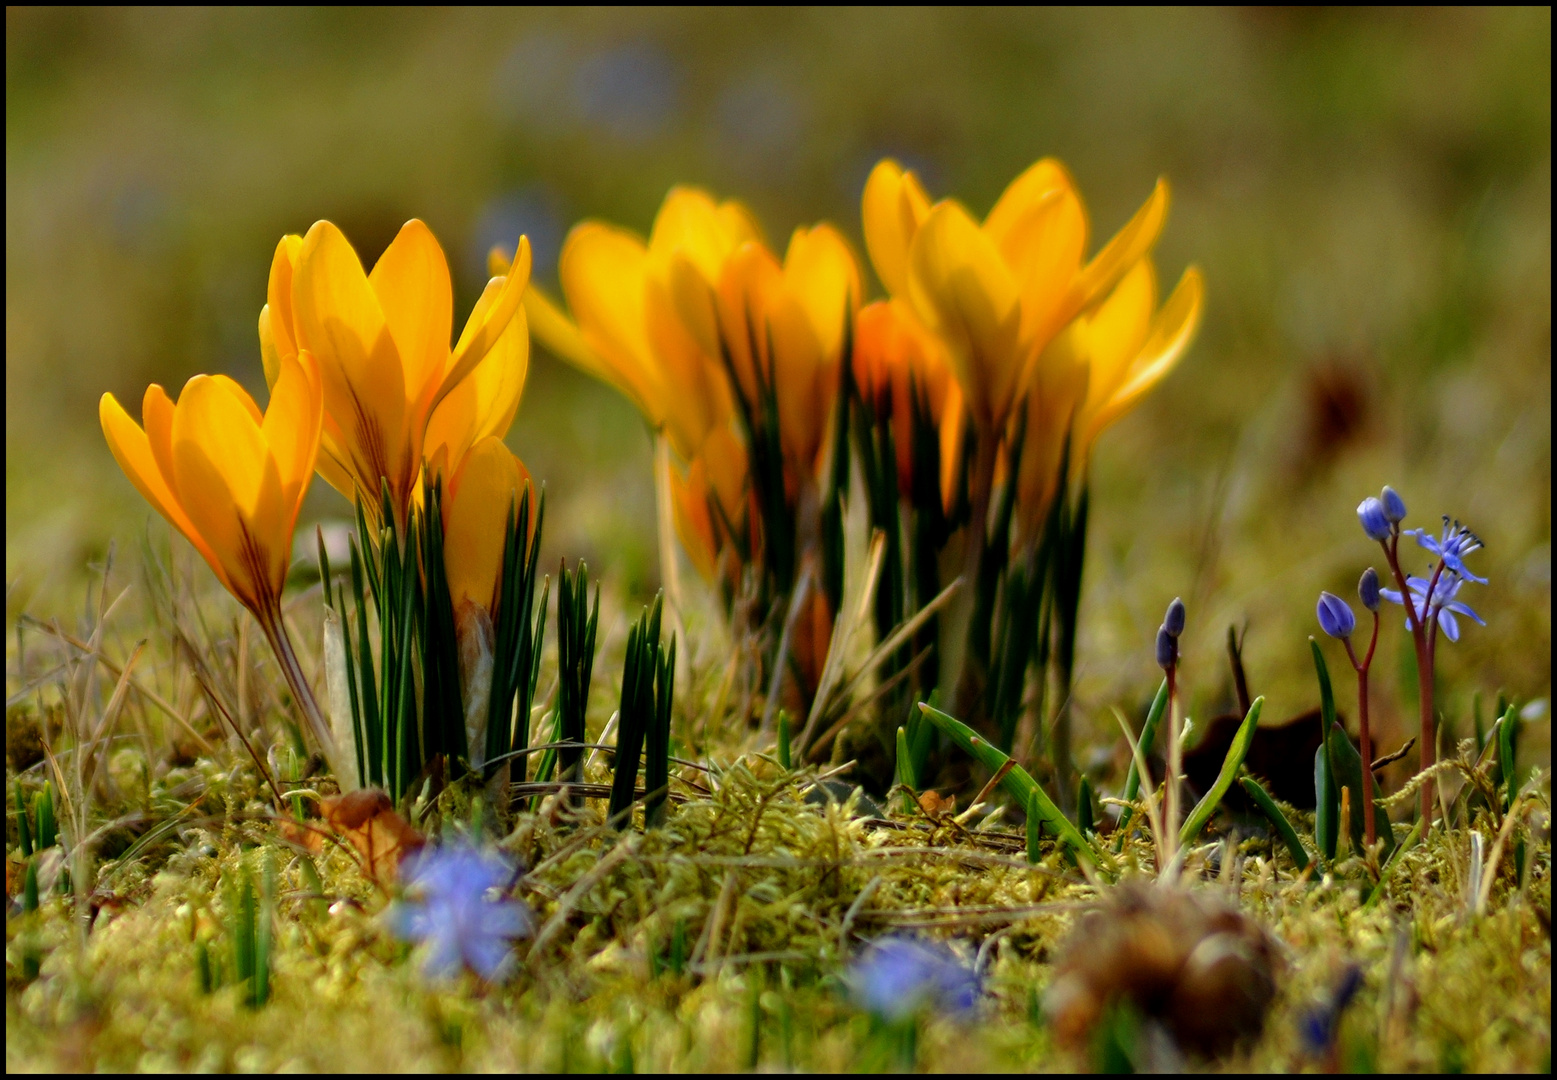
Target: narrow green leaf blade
(1018,782)
(1230,765)
(1277,819)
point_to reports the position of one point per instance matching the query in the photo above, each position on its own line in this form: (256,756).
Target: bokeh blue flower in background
(455,905)
(898,977)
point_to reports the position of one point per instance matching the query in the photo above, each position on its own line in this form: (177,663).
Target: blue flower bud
(1173,621)
(1335,616)
(1374,521)
(1368,589)
(1167,649)
(1394,505)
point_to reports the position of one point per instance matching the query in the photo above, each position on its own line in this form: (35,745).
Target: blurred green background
(1369,194)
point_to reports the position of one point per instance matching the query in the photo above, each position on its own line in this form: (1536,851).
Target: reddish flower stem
(1361,667)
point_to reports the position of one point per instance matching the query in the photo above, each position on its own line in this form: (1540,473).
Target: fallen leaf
(368,820)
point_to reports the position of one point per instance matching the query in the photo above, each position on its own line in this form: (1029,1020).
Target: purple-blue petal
(1464,609)
(1449,624)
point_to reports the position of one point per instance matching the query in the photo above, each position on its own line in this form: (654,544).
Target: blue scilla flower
(898,976)
(1456,542)
(1443,602)
(1375,522)
(1335,616)
(454,904)
(1173,621)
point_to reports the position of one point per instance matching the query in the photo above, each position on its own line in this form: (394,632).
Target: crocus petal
(560,335)
(291,429)
(278,333)
(487,401)
(1041,237)
(821,272)
(133,451)
(894,205)
(487,323)
(229,486)
(1124,250)
(483,490)
(603,271)
(411,280)
(1172,331)
(691,224)
(339,320)
(961,287)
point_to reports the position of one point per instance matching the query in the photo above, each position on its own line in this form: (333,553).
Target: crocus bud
(1374,521)
(1167,649)
(1368,589)
(1335,616)
(1394,505)
(1173,621)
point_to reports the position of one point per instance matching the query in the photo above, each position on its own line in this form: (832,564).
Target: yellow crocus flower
(998,291)
(643,313)
(394,391)
(232,480)
(784,328)
(1097,370)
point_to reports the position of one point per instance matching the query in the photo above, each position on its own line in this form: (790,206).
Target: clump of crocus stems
(1432,602)
(1337,620)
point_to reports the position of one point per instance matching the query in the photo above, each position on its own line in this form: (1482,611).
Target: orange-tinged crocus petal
(483,491)
(894,206)
(962,289)
(896,359)
(694,518)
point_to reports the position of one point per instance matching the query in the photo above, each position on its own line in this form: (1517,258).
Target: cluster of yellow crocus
(698,322)
(981,317)
(366,388)
(1023,315)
